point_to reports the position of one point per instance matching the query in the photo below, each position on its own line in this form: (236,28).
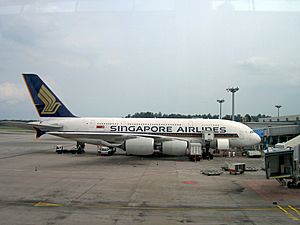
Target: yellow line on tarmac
(105,206)
(287,213)
(243,209)
(46,204)
(294,209)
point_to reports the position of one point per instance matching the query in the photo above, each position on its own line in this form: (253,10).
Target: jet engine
(222,144)
(174,147)
(139,146)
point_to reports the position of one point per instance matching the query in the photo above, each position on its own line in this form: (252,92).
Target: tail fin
(45,101)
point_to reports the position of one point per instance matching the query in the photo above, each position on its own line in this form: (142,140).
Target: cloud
(258,70)
(11,93)
(293,78)
(271,72)
(256,64)
(25,32)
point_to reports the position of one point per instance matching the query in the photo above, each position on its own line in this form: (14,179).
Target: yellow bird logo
(51,105)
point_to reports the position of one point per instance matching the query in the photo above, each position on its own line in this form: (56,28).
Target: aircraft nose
(256,138)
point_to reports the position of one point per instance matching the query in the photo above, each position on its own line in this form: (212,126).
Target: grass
(17,129)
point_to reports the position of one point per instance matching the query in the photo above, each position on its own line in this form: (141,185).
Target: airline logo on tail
(51,104)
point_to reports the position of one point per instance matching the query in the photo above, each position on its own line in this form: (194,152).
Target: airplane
(136,136)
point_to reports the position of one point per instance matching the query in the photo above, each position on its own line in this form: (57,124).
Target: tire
(80,150)
(73,151)
(205,155)
(290,184)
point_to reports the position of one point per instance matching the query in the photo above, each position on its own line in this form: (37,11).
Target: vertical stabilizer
(45,101)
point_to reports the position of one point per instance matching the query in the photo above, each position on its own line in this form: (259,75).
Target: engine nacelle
(174,147)
(139,146)
(223,144)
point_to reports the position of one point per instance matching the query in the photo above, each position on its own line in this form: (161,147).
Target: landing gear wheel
(298,185)
(80,148)
(292,184)
(195,158)
(73,151)
(205,155)
(211,156)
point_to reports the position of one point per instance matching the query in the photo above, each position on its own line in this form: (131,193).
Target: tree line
(238,117)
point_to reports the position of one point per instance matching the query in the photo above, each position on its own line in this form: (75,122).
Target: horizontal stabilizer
(30,125)
(40,129)
(23,125)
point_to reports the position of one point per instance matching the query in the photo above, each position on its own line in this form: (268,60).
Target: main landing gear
(293,184)
(80,148)
(206,153)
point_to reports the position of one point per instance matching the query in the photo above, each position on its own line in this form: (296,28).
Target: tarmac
(38,186)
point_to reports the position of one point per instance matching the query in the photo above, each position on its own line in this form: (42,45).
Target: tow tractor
(79,149)
(103,150)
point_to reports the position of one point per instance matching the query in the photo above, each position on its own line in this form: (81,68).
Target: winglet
(45,101)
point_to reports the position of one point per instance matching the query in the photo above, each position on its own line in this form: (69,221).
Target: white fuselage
(238,134)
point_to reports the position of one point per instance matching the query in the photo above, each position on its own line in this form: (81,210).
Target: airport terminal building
(275,130)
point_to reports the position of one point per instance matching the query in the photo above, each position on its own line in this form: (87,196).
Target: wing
(108,139)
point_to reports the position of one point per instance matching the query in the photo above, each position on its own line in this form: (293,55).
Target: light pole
(232,90)
(278,107)
(220,101)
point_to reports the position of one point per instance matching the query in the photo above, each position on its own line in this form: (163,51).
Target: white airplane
(135,136)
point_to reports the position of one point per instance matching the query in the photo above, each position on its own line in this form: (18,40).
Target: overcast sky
(110,58)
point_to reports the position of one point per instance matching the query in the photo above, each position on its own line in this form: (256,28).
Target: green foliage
(239,117)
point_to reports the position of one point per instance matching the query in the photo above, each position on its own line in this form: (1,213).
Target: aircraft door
(92,124)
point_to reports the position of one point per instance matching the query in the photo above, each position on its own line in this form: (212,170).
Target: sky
(110,58)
